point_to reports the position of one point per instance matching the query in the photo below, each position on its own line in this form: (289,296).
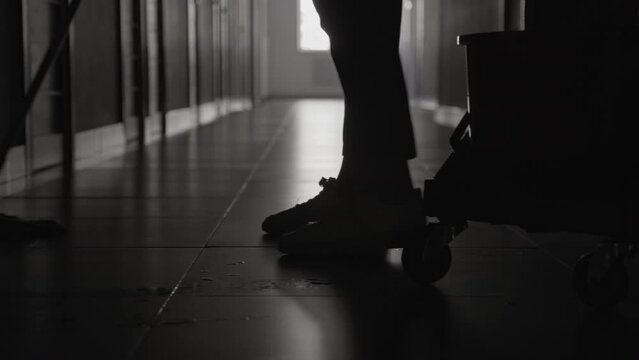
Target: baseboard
(13,174)
(180,120)
(152,128)
(208,112)
(449,116)
(425,104)
(97,145)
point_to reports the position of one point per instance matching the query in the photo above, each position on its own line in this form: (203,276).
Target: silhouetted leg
(378,134)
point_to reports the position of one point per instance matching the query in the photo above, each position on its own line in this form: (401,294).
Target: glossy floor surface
(165,259)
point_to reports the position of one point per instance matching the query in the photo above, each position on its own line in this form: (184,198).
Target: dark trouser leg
(364,46)
(378,134)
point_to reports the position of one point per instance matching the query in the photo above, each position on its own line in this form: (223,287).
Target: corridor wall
(206,92)
(291,72)
(134,70)
(176,53)
(458,17)
(11,84)
(96,79)
(435,66)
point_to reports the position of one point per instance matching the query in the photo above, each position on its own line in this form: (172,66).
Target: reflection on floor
(165,260)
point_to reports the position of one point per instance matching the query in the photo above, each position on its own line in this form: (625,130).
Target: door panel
(205,61)
(132,60)
(239,52)
(176,53)
(217,50)
(225,54)
(11,91)
(50,108)
(96,65)
(154,70)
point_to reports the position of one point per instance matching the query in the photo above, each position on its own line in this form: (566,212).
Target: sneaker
(301,214)
(360,225)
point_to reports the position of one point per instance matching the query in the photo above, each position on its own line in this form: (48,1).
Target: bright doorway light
(311,36)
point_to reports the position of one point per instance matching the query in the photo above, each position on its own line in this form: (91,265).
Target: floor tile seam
(543,249)
(141,198)
(378,295)
(286,181)
(133,295)
(208,246)
(451,246)
(272,247)
(137,217)
(281,296)
(514,247)
(274,139)
(121,247)
(59,295)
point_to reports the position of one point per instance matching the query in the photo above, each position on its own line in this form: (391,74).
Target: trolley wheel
(428,260)
(602,291)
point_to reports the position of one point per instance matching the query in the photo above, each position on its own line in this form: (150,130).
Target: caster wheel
(428,260)
(603,291)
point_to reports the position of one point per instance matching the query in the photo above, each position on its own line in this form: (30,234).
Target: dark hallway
(163,151)
(165,259)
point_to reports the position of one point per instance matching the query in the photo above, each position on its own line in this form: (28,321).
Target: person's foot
(360,225)
(301,214)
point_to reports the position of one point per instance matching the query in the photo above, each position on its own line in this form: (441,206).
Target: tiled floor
(165,259)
